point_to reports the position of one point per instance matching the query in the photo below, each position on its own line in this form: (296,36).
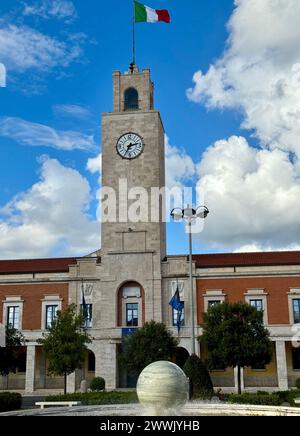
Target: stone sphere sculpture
(162,386)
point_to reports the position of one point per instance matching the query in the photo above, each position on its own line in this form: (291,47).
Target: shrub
(97,384)
(10,401)
(254,399)
(98,398)
(297,384)
(200,382)
(283,396)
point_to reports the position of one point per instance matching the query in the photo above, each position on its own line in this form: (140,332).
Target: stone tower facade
(132,251)
(147,171)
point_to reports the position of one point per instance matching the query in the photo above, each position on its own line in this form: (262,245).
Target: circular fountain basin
(195,409)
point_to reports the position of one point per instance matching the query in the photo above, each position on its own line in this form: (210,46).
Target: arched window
(131,100)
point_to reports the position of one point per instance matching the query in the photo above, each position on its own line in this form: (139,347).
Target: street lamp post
(190,215)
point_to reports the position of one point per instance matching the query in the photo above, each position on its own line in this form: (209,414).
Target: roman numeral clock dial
(130,146)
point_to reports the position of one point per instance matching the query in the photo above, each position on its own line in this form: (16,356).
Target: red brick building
(31,291)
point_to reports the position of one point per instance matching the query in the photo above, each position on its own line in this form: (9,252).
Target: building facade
(131,280)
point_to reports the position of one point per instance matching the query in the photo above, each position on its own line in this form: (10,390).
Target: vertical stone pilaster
(106,363)
(74,380)
(30,368)
(71,383)
(281,366)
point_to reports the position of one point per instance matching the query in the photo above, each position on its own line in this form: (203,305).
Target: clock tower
(133,164)
(133,234)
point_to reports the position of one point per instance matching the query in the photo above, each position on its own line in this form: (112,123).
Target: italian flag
(144,14)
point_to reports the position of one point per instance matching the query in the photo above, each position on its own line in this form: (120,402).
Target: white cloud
(51,218)
(72,110)
(23,48)
(253,248)
(2,76)
(254,194)
(259,72)
(180,167)
(94,165)
(34,134)
(60,9)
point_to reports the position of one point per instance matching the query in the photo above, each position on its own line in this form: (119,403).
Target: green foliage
(235,336)
(97,384)
(9,355)
(262,398)
(151,343)
(291,396)
(284,396)
(65,343)
(267,399)
(200,381)
(10,401)
(297,384)
(98,398)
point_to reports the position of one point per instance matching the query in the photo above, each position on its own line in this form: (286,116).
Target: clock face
(130,146)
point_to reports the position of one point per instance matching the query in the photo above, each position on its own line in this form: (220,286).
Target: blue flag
(177,305)
(84,305)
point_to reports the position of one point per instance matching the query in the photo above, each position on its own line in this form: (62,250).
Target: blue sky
(228,130)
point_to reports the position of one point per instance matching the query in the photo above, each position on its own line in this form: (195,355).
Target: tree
(10,353)
(152,343)
(235,337)
(65,343)
(200,382)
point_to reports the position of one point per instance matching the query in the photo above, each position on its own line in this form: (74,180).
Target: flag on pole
(144,14)
(177,305)
(84,305)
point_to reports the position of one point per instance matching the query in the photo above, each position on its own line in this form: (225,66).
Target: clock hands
(133,145)
(130,146)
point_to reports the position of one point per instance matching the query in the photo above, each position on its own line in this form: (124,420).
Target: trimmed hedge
(98,398)
(97,384)
(262,398)
(298,383)
(10,401)
(254,399)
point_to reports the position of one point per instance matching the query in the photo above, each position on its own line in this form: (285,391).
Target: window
(132,315)
(175,317)
(296,358)
(13,316)
(131,100)
(88,314)
(51,313)
(296,310)
(258,304)
(212,303)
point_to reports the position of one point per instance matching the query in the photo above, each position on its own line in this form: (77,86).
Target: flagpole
(133,33)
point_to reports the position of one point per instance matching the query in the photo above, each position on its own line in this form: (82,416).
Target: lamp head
(177,214)
(189,212)
(202,212)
